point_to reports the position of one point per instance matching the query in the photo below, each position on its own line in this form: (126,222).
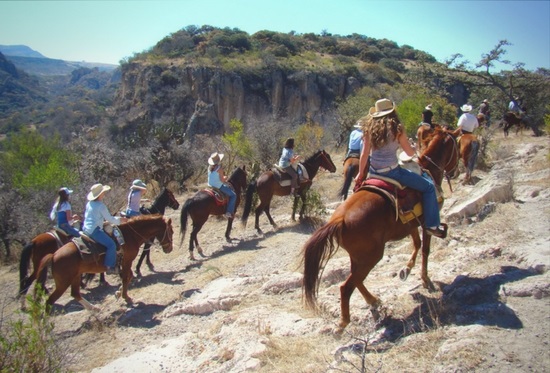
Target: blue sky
(108,31)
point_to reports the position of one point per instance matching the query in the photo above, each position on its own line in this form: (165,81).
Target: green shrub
(29,344)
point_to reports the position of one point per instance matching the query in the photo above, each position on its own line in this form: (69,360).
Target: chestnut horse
(68,265)
(363,224)
(267,186)
(203,204)
(46,243)
(469,149)
(351,169)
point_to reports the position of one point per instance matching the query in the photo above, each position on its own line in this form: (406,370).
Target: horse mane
(435,145)
(237,171)
(310,158)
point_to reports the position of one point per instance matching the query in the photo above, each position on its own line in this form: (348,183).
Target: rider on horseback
(217,179)
(467,122)
(288,158)
(61,211)
(94,217)
(134,198)
(383,134)
(355,140)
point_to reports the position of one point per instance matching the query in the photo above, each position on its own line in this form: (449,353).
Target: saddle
(91,250)
(352,155)
(220,197)
(60,236)
(406,201)
(283,178)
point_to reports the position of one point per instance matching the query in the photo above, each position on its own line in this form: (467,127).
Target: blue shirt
(514,106)
(95,215)
(286,156)
(214,179)
(356,140)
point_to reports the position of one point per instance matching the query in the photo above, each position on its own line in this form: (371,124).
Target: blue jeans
(131,213)
(67,228)
(232,198)
(103,238)
(423,184)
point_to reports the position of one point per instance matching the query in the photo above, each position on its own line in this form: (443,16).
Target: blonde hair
(381,128)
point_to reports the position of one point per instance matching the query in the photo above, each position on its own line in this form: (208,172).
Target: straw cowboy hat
(215,158)
(429,107)
(96,190)
(138,184)
(381,108)
(466,108)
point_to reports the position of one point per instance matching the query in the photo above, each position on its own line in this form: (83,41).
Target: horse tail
(24,264)
(350,173)
(316,253)
(183,218)
(248,201)
(473,155)
(44,264)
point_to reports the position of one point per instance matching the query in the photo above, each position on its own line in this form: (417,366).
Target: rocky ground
(240,308)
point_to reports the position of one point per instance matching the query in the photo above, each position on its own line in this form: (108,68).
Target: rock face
(203,100)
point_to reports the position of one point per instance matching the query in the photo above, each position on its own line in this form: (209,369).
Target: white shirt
(467,122)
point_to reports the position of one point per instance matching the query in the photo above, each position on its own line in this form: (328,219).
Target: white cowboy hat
(381,108)
(466,108)
(358,125)
(215,158)
(429,107)
(96,190)
(138,184)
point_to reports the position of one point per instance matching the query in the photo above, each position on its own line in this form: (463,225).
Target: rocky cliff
(205,99)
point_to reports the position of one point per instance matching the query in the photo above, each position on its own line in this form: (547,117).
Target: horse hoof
(404,273)
(192,257)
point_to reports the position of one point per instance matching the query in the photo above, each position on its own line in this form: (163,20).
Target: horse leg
(144,254)
(193,240)
(303,209)
(126,276)
(405,271)
(426,282)
(75,293)
(228,230)
(359,272)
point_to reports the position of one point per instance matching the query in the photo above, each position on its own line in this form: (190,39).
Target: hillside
(240,308)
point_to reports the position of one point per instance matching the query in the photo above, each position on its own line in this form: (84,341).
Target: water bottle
(118,235)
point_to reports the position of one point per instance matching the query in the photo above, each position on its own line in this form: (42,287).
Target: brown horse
(363,224)
(510,119)
(469,149)
(68,265)
(40,246)
(268,186)
(203,204)
(351,169)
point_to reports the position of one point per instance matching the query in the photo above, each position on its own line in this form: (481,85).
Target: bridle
(446,174)
(324,155)
(164,236)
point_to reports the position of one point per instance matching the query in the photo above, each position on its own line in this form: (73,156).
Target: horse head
(238,179)
(326,161)
(172,201)
(164,236)
(441,155)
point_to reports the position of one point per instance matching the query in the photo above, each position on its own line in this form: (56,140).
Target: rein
(164,236)
(442,169)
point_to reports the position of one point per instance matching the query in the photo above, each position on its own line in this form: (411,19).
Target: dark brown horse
(268,186)
(203,204)
(351,169)
(68,265)
(164,199)
(510,119)
(363,224)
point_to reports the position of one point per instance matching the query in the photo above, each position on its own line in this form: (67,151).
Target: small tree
(308,137)
(239,147)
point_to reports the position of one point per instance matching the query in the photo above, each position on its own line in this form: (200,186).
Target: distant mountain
(32,62)
(20,51)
